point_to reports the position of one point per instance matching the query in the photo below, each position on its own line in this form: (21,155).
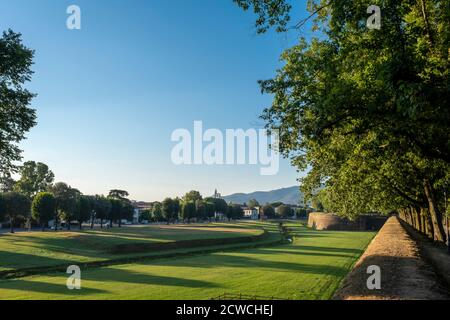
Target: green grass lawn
(312,267)
(39,249)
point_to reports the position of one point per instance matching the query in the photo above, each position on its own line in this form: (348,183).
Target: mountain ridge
(289,195)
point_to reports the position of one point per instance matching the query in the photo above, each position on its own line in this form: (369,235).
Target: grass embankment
(30,250)
(310,268)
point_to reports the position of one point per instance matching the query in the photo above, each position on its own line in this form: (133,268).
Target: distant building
(251,213)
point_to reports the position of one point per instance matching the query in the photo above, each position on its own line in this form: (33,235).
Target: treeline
(192,207)
(277,210)
(35,199)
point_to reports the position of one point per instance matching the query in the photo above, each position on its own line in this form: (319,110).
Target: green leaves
(43,207)
(35,177)
(16,117)
(367,111)
(270,13)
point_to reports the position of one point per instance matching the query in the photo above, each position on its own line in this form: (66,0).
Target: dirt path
(404,274)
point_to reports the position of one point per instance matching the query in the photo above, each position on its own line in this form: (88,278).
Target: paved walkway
(404,274)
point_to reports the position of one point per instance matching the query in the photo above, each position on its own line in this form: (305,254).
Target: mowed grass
(41,249)
(312,267)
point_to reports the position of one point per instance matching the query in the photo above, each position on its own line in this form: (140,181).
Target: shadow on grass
(14,260)
(127,276)
(111,276)
(298,250)
(214,261)
(92,244)
(45,287)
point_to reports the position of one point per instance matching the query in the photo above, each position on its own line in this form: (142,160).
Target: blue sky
(111,94)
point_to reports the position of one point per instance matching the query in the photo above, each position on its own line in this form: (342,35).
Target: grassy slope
(37,249)
(310,268)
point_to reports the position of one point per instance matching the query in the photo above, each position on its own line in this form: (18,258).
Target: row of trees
(191,207)
(366,111)
(35,198)
(276,209)
(63,203)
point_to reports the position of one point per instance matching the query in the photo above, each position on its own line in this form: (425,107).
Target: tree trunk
(11,224)
(428,223)
(81,225)
(413,220)
(417,218)
(101,223)
(436,215)
(408,216)
(426,21)
(403,214)
(423,228)
(43,227)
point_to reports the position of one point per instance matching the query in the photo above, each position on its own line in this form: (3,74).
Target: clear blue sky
(110,95)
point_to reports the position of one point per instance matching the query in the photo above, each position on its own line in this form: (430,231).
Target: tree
(192,196)
(170,209)
(127,211)
(188,210)
(273,13)
(16,117)
(285,211)
(2,207)
(201,210)
(276,204)
(16,205)
(7,184)
(43,208)
(210,208)
(157,212)
(122,211)
(268,211)
(317,204)
(66,200)
(102,208)
(235,212)
(253,204)
(145,215)
(83,209)
(301,213)
(220,205)
(367,111)
(115,212)
(118,194)
(34,178)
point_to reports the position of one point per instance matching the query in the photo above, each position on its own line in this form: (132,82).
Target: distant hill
(286,195)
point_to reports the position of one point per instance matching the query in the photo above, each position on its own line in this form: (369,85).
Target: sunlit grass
(310,268)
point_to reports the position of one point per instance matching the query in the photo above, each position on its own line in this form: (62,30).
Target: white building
(251,213)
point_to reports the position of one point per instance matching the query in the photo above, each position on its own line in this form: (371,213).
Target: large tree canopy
(34,178)
(367,111)
(16,117)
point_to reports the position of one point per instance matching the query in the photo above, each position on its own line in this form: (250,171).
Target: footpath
(406,270)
